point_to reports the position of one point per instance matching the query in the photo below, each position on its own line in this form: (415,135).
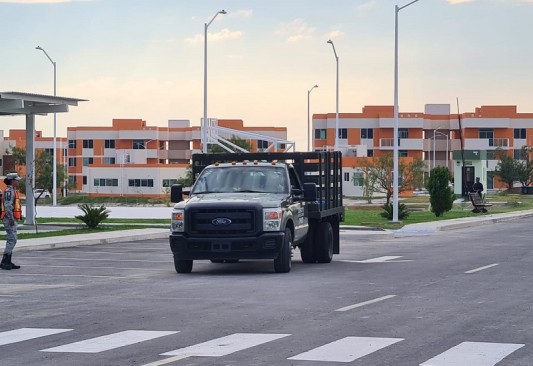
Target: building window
(87,144)
(403,133)
(109,144)
(520,133)
(370,153)
(281,146)
(49,151)
(321,133)
(358,179)
(343,133)
(402,153)
(346,177)
(169,182)
(87,161)
(109,161)
(138,145)
(84,178)
(367,133)
(72,180)
(140,182)
(71,144)
(519,154)
(486,133)
(71,161)
(1,162)
(262,144)
(105,182)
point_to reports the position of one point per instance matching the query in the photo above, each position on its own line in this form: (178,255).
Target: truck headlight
(272,219)
(178,221)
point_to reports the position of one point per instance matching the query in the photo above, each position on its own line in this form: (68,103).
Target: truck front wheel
(282,264)
(182,266)
(324,242)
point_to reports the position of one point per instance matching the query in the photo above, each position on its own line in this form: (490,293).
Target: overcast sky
(144,58)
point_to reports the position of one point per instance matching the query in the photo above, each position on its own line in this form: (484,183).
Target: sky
(145,58)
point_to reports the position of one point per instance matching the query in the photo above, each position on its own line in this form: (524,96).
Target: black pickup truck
(258,206)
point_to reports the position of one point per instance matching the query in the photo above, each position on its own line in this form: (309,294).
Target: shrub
(441,195)
(403,211)
(93,216)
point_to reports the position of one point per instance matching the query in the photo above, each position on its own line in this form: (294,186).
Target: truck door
(298,208)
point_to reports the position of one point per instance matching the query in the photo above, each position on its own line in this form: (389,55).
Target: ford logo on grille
(221,221)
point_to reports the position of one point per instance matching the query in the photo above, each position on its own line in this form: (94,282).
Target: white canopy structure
(16,103)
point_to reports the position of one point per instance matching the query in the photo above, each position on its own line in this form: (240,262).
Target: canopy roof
(16,103)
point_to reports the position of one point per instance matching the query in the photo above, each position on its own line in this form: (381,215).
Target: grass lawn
(369,215)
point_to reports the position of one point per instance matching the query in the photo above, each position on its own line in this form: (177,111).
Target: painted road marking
(226,345)
(111,341)
(384,259)
(474,354)
(24,334)
(350,307)
(346,349)
(166,361)
(482,268)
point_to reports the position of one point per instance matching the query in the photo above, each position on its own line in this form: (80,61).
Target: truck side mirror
(176,193)
(310,192)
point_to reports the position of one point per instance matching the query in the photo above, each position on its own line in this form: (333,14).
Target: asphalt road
(441,299)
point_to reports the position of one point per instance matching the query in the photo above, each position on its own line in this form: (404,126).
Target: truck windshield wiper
(247,191)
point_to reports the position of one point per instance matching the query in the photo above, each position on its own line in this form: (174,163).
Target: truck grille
(222,221)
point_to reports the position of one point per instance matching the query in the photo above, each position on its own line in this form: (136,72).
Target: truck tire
(182,266)
(324,242)
(307,248)
(282,264)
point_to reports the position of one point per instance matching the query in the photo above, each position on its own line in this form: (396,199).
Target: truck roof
(247,163)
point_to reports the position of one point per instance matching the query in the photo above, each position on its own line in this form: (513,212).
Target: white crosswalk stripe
(108,342)
(474,354)
(226,345)
(24,334)
(346,349)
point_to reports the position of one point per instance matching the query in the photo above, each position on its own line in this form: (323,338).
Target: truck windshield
(253,179)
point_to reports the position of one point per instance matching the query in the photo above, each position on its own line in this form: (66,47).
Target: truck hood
(263,199)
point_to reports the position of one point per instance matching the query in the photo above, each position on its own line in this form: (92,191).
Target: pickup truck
(247,206)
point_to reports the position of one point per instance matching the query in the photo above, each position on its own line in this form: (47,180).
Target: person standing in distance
(11,213)
(478,187)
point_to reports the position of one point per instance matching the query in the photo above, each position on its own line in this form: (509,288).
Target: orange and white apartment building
(130,158)
(433,136)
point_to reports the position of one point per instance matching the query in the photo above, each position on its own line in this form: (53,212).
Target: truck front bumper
(265,246)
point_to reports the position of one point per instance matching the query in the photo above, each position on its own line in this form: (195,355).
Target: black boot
(5,264)
(13,265)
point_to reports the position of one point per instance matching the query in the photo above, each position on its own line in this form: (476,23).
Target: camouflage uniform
(11,231)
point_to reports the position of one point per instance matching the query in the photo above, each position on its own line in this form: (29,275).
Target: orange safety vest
(17,207)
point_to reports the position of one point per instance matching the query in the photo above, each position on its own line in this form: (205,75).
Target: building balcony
(404,144)
(486,144)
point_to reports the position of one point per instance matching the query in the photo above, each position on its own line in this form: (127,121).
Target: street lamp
(396,169)
(308,123)
(54,155)
(204,124)
(336,97)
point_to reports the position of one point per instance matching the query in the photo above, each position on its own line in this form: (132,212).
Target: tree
(440,194)
(507,169)
(213,148)
(524,168)
(188,180)
(380,172)
(43,166)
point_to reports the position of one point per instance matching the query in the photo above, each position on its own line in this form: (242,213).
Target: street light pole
(396,169)
(204,123)
(54,154)
(308,112)
(336,97)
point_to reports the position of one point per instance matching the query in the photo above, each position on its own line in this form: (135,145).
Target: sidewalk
(162,233)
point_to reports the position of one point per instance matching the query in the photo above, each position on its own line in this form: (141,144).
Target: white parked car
(41,193)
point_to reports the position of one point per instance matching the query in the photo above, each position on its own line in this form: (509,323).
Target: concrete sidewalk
(162,233)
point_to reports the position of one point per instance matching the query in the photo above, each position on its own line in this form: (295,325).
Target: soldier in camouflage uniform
(11,213)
